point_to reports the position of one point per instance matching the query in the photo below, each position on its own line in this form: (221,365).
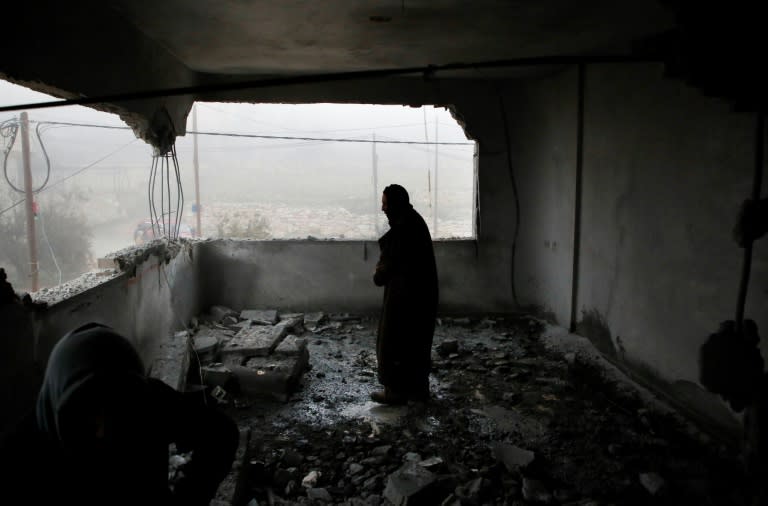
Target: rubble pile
(251,354)
(509,423)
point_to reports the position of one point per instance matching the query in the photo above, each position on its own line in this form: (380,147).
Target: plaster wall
(146,307)
(331,275)
(665,170)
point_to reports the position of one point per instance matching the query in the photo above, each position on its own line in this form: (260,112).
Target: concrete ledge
(579,350)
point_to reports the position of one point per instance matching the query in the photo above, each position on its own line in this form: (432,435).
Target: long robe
(407,271)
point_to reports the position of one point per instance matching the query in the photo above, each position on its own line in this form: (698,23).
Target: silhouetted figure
(407,271)
(731,365)
(101,431)
(7,293)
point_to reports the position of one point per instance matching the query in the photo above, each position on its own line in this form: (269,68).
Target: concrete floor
(594,441)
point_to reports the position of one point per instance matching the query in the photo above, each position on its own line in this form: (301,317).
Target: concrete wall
(332,275)
(665,169)
(146,306)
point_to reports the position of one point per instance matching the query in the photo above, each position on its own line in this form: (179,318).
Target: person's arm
(752,222)
(385,266)
(210,435)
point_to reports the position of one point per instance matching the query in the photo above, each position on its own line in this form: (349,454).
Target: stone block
(314,320)
(409,485)
(295,349)
(171,363)
(260,316)
(265,376)
(220,312)
(216,375)
(257,341)
(513,457)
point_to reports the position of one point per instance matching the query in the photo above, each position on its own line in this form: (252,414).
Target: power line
(277,137)
(3,211)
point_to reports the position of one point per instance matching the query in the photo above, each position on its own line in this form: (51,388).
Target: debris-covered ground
(509,423)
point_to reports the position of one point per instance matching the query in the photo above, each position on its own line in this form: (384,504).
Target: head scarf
(91,366)
(398,201)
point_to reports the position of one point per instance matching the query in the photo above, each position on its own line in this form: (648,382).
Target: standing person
(407,271)
(101,431)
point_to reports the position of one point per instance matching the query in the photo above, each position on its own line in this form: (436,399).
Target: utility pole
(29,201)
(198,209)
(375,167)
(434,225)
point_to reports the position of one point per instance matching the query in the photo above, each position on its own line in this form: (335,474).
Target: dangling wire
(8,131)
(166,221)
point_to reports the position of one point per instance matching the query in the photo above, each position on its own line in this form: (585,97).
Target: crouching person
(101,430)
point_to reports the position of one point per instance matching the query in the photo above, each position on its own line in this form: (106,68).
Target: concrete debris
(448,347)
(381,450)
(216,375)
(431,462)
(219,394)
(220,312)
(268,376)
(514,458)
(260,316)
(591,444)
(535,491)
(652,482)
(409,485)
(319,494)
(258,341)
(315,320)
(283,477)
(310,479)
(205,344)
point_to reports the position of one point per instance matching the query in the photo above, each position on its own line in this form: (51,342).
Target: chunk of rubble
(273,376)
(513,457)
(260,316)
(314,320)
(220,312)
(257,341)
(409,485)
(216,375)
(652,482)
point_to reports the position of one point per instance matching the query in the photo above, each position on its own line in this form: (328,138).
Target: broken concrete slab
(274,377)
(513,457)
(172,362)
(258,341)
(216,375)
(260,316)
(221,312)
(314,320)
(409,485)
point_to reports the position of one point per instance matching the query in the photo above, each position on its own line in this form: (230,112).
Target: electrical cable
(56,183)
(757,180)
(14,126)
(278,137)
(515,194)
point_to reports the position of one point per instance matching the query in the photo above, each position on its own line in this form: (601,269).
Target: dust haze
(95,199)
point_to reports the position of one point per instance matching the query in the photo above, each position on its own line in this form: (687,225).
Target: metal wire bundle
(166,218)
